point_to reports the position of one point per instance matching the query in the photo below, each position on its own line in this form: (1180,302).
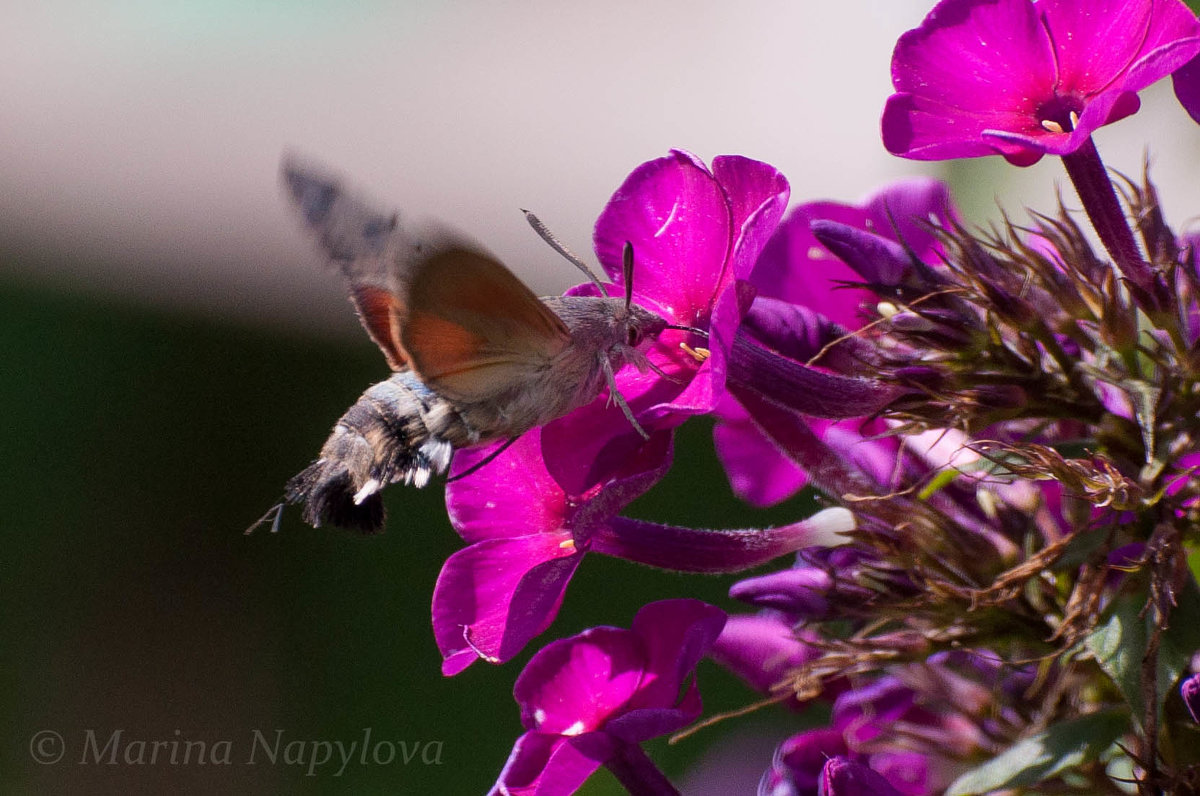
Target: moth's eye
(633,336)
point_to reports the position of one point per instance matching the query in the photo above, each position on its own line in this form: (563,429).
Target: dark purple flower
(824,582)
(917,727)
(1189,689)
(1183,479)
(818,763)
(795,272)
(1186,81)
(529,529)
(762,649)
(842,777)
(797,268)
(587,699)
(796,768)
(1023,78)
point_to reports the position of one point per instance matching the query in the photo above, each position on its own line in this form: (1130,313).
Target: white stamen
(1051,126)
(575,729)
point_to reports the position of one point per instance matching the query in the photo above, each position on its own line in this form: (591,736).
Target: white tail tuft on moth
(477,357)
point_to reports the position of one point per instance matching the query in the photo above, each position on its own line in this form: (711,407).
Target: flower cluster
(1003,425)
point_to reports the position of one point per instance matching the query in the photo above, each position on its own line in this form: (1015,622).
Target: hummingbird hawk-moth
(476,356)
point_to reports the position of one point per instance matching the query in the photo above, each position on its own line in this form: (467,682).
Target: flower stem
(1095,190)
(638,773)
(716,551)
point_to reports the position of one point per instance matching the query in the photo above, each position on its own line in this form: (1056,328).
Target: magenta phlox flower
(591,699)
(1024,78)
(528,529)
(526,535)
(555,494)
(696,234)
(809,296)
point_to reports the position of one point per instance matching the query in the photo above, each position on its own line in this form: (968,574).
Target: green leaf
(1120,644)
(1181,641)
(1029,761)
(950,474)
(1144,397)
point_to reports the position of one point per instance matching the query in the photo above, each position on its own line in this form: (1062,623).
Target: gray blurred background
(172,349)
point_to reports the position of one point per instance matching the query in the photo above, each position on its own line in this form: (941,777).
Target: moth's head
(633,330)
(640,325)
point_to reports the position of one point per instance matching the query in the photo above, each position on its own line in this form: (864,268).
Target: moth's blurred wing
(363,242)
(470,328)
(430,300)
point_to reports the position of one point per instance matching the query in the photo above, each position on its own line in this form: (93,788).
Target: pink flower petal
(493,597)
(674,635)
(574,685)
(761,649)
(983,76)
(550,765)
(676,216)
(758,472)
(512,495)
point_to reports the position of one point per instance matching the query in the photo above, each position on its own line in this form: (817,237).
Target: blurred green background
(137,447)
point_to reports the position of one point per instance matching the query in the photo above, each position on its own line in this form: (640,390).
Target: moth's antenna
(548,236)
(627,273)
